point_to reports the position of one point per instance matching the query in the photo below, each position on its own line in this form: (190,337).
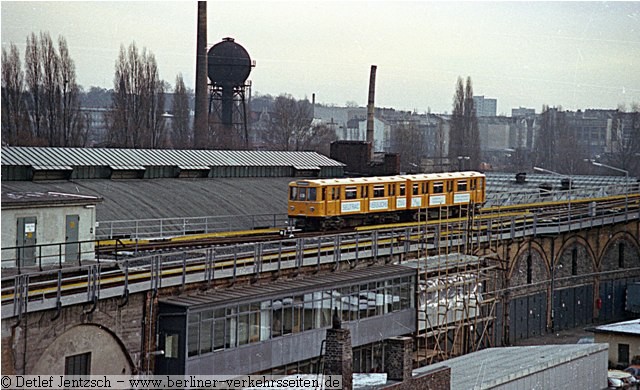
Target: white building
(33,233)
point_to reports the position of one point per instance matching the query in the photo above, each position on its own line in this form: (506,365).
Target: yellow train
(322,204)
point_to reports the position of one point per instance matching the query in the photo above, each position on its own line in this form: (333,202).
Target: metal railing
(171,227)
(128,275)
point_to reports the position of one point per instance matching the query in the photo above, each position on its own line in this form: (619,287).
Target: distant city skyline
(577,55)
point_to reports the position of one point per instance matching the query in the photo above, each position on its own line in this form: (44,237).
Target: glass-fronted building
(257,328)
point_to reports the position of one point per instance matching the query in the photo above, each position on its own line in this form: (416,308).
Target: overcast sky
(572,54)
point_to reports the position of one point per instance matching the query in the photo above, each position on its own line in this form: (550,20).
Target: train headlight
(292,208)
(312,209)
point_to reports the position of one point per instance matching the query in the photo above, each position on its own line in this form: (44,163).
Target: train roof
(388,179)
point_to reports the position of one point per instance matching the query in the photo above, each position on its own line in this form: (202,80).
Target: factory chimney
(371,108)
(200,120)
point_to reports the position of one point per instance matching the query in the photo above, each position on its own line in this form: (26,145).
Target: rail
(182,226)
(51,289)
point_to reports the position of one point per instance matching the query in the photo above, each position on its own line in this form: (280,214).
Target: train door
(333,200)
(26,241)
(71,248)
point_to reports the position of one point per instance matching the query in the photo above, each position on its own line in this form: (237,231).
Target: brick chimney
(338,357)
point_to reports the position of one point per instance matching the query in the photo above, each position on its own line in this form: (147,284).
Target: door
(26,241)
(71,248)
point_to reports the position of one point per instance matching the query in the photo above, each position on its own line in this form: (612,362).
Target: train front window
(302,194)
(312,194)
(293,193)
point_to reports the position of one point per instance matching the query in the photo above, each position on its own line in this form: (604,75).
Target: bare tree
(290,127)
(181,136)
(464,136)
(33,79)
(15,122)
(51,96)
(625,139)
(410,143)
(135,119)
(74,125)
(323,136)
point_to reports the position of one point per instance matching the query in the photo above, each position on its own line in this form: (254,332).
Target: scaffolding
(456,292)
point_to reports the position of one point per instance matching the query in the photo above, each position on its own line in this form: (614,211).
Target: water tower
(229,66)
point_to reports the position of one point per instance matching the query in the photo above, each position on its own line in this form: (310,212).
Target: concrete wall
(50,229)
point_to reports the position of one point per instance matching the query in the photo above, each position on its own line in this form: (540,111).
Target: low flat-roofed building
(33,233)
(567,366)
(623,339)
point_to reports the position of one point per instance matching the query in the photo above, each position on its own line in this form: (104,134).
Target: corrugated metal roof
(286,287)
(45,156)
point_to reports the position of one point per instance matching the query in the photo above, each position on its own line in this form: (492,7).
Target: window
(365,191)
(312,194)
(438,187)
(402,190)
(81,364)
(206,331)
(293,193)
(621,255)
(462,185)
(415,189)
(425,187)
(350,193)
(302,194)
(623,354)
(529,270)
(192,333)
(171,346)
(218,329)
(574,261)
(378,191)
(392,189)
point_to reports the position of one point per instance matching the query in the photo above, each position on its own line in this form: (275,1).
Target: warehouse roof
(494,367)
(45,163)
(57,158)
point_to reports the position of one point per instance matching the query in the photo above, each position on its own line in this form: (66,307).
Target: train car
(323,204)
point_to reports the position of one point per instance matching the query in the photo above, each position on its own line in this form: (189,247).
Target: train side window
(324,193)
(450,186)
(365,191)
(378,191)
(425,187)
(415,189)
(312,194)
(462,185)
(438,187)
(473,184)
(392,189)
(350,193)
(293,194)
(402,190)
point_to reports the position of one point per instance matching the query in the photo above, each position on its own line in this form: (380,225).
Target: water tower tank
(229,63)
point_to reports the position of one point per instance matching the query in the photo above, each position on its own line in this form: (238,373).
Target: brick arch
(609,262)
(108,355)
(586,257)
(122,322)
(517,275)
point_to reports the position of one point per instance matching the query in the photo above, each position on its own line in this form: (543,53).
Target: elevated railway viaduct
(543,275)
